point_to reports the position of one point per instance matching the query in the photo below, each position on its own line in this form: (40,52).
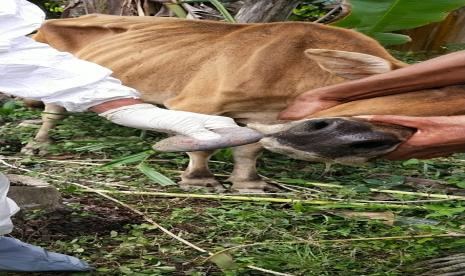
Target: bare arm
(441,71)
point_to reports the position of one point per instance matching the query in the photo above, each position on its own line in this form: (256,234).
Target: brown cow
(249,72)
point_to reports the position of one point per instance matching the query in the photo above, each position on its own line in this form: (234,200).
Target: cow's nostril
(317,125)
(372,144)
(320,125)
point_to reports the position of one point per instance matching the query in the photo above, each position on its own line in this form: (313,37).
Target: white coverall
(34,70)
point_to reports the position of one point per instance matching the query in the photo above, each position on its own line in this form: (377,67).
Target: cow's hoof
(253,187)
(209,184)
(35,148)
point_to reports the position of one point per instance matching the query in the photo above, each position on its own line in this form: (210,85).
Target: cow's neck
(250,107)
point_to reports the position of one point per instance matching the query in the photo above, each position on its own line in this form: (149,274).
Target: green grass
(118,242)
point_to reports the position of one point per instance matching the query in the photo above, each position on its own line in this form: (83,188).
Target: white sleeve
(34,70)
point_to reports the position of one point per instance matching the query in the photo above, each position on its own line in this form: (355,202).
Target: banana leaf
(379,18)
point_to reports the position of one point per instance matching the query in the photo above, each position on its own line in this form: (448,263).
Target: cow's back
(206,66)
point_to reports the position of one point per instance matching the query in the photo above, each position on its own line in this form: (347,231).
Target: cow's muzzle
(341,140)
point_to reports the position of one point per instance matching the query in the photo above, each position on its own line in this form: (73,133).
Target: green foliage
(133,158)
(9,107)
(143,167)
(155,176)
(311,10)
(53,8)
(380,18)
(224,12)
(415,57)
(307,12)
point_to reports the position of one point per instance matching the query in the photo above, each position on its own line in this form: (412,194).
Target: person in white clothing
(33,70)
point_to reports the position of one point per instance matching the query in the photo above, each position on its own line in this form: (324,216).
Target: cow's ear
(349,65)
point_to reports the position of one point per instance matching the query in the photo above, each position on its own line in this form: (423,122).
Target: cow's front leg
(197,175)
(51,114)
(244,177)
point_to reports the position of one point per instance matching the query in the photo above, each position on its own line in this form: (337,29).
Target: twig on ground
(268,271)
(285,187)
(397,201)
(333,204)
(304,189)
(450,235)
(289,187)
(429,195)
(93,161)
(70,162)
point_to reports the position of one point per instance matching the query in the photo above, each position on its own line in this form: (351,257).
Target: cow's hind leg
(52,113)
(197,175)
(244,177)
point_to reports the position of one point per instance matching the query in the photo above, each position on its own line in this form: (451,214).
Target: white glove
(150,117)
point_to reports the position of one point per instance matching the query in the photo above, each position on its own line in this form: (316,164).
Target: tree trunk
(431,37)
(77,8)
(265,10)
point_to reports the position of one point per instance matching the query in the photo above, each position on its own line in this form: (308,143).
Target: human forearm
(199,131)
(442,71)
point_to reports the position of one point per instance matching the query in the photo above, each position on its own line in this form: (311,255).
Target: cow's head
(337,137)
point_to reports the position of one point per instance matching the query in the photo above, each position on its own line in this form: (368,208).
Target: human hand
(435,136)
(307,104)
